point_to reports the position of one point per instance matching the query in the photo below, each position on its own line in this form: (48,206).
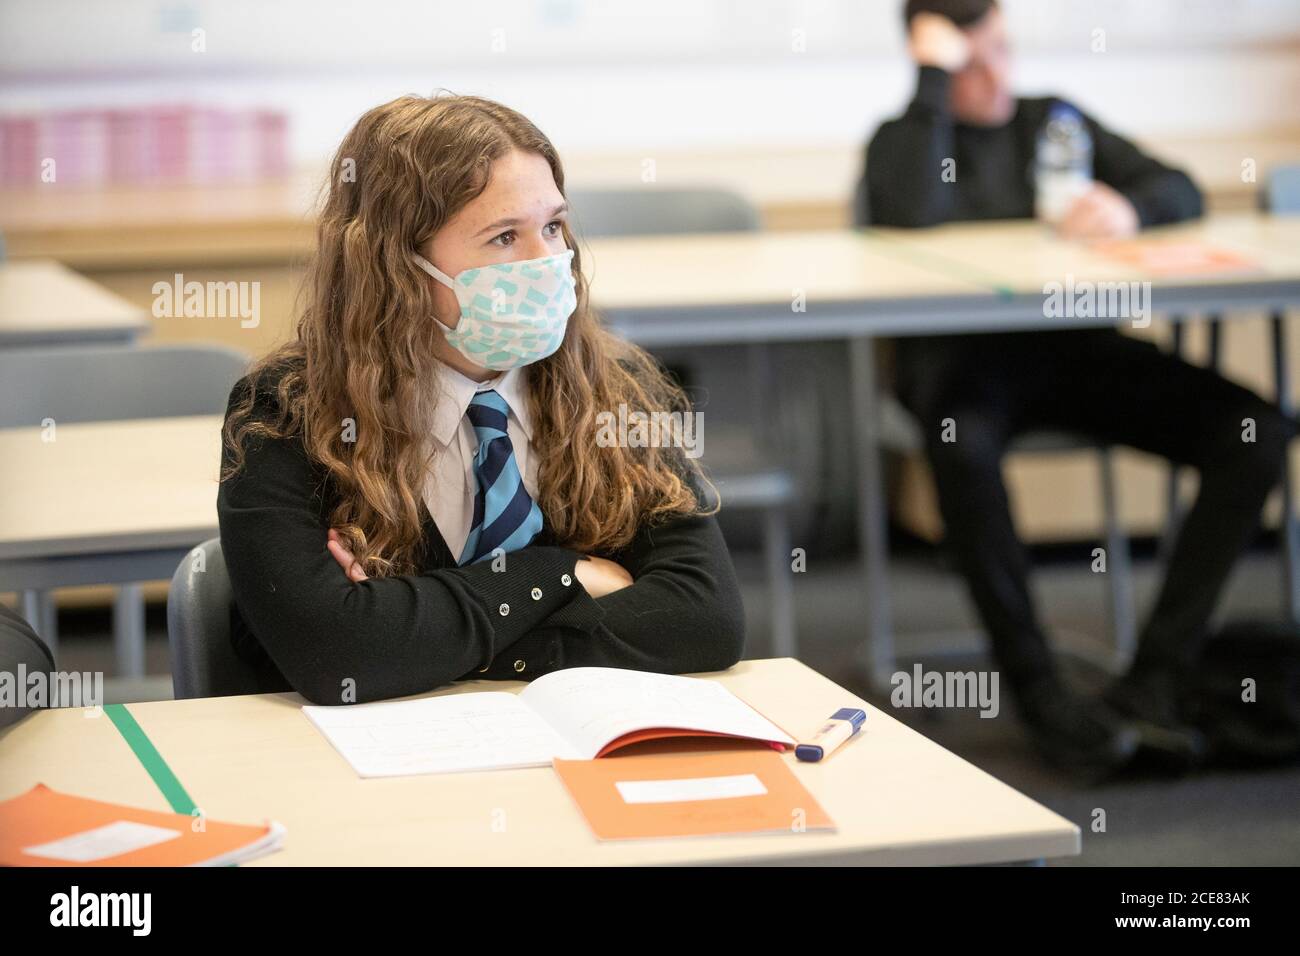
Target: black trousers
(1114,389)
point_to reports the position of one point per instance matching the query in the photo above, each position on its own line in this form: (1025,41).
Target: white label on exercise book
(691,788)
(112,839)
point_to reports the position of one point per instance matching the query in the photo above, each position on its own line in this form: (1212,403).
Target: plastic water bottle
(1062,163)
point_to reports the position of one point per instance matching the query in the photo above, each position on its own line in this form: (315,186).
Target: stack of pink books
(157,144)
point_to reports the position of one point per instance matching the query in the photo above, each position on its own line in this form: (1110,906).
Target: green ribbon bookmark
(150,759)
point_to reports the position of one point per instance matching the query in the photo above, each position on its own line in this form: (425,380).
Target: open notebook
(576,714)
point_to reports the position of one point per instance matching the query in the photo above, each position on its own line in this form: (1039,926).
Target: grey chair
(740,467)
(655,210)
(1281,192)
(198,628)
(94,383)
(98,383)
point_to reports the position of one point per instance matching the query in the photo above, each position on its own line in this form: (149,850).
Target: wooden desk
(45,303)
(897,797)
(108,488)
(165,226)
(106,503)
(741,287)
(970,277)
(1020,257)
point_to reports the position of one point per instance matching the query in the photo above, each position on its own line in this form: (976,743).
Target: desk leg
(1290,534)
(873,530)
(128,630)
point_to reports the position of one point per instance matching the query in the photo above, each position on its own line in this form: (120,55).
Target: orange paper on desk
(712,794)
(1175,258)
(44,827)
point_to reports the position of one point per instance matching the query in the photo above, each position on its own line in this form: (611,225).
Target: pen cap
(854,715)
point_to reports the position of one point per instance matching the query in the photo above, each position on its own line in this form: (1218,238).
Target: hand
(1100,213)
(350,565)
(934,40)
(600,576)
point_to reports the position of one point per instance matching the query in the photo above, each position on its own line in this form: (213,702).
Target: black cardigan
(302,624)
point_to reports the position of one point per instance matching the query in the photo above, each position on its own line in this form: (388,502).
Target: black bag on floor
(1262,732)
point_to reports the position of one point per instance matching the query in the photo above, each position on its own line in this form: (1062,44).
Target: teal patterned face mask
(513,313)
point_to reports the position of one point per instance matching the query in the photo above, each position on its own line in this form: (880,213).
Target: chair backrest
(659,211)
(204,663)
(1281,192)
(95,383)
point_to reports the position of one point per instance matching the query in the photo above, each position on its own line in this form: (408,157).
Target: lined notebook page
(485,731)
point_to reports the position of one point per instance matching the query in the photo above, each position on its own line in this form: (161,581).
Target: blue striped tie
(505,516)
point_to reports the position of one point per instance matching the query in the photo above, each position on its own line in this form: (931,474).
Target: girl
(412,490)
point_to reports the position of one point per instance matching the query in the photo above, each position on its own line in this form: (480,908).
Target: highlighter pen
(841,725)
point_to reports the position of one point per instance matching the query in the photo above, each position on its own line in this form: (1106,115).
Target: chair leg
(1174,505)
(128,630)
(761,378)
(776,547)
(1119,568)
(40,611)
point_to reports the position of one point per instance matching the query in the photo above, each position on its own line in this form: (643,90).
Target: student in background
(1093,382)
(414,489)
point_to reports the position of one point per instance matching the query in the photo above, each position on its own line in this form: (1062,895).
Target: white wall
(628,75)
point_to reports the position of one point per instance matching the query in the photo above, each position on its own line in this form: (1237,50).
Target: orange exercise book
(1164,258)
(703,794)
(44,827)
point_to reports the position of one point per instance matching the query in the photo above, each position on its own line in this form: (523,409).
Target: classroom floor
(1218,818)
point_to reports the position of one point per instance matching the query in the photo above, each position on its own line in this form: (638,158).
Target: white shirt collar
(458,390)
